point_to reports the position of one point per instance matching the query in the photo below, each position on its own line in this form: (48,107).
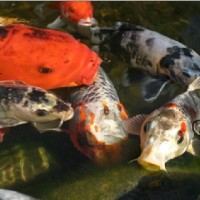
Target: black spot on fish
(150,42)
(41,112)
(14,95)
(187,52)
(195,67)
(167,61)
(38,96)
(130,27)
(37,33)
(45,70)
(61,106)
(3,33)
(186,74)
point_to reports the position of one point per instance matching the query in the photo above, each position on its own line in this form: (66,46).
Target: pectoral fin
(57,23)
(132,76)
(133,125)
(152,88)
(194,147)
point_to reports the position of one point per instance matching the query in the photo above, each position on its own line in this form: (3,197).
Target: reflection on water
(49,167)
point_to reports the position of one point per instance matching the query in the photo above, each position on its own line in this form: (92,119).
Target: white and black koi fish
(96,128)
(13,195)
(168,132)
(21,103)
(160,57)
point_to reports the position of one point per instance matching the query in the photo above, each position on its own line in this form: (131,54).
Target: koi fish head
(164,136)
(78,12)
(41,107)
(96,131)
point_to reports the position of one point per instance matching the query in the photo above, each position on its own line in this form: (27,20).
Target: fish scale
(102,88)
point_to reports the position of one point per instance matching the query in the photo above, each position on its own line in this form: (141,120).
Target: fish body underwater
(96,128)
(168,132)
(45,58)
(162,58)
(13,195)
(21,103)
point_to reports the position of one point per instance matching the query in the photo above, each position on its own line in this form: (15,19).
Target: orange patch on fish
(96,128)
(45,58)
(171,105)
(76,10)
(183,127)
(104,103)
(92,118)
(123,113)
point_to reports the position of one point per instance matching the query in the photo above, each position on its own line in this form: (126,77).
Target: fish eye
(41,112)
(196,127)
(45,70)
(180,137)
(147,126)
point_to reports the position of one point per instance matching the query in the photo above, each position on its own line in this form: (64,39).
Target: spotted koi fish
(96,128)
(168,132)
(13,195)
(21,103)
(162,58)
(45,58)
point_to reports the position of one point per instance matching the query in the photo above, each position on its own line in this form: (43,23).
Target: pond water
(49,167)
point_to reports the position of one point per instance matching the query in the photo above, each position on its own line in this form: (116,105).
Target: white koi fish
(162,58)
(21,103)
(170,130)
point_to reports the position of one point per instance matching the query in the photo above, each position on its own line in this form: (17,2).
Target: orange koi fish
(80,13)
(45,58)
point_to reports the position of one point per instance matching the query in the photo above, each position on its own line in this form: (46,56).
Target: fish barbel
(21,103)
(163,58)
(45,58)
(168,132)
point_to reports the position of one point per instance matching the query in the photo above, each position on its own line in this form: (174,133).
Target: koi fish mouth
(88,22)
(150,166)
(84,26)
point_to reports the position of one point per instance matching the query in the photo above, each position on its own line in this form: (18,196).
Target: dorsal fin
(133,125)
(194,85)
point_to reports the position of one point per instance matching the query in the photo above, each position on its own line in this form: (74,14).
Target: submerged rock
(165,187)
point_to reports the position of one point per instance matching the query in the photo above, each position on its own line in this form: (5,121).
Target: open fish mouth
(88,22)
(150,166)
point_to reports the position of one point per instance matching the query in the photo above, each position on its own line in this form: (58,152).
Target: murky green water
(49,167)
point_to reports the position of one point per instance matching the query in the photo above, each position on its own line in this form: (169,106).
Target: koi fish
(79,13)
(96,128)
(21,103)
(168,132)
(162,58)
(45,58)
(13,195)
